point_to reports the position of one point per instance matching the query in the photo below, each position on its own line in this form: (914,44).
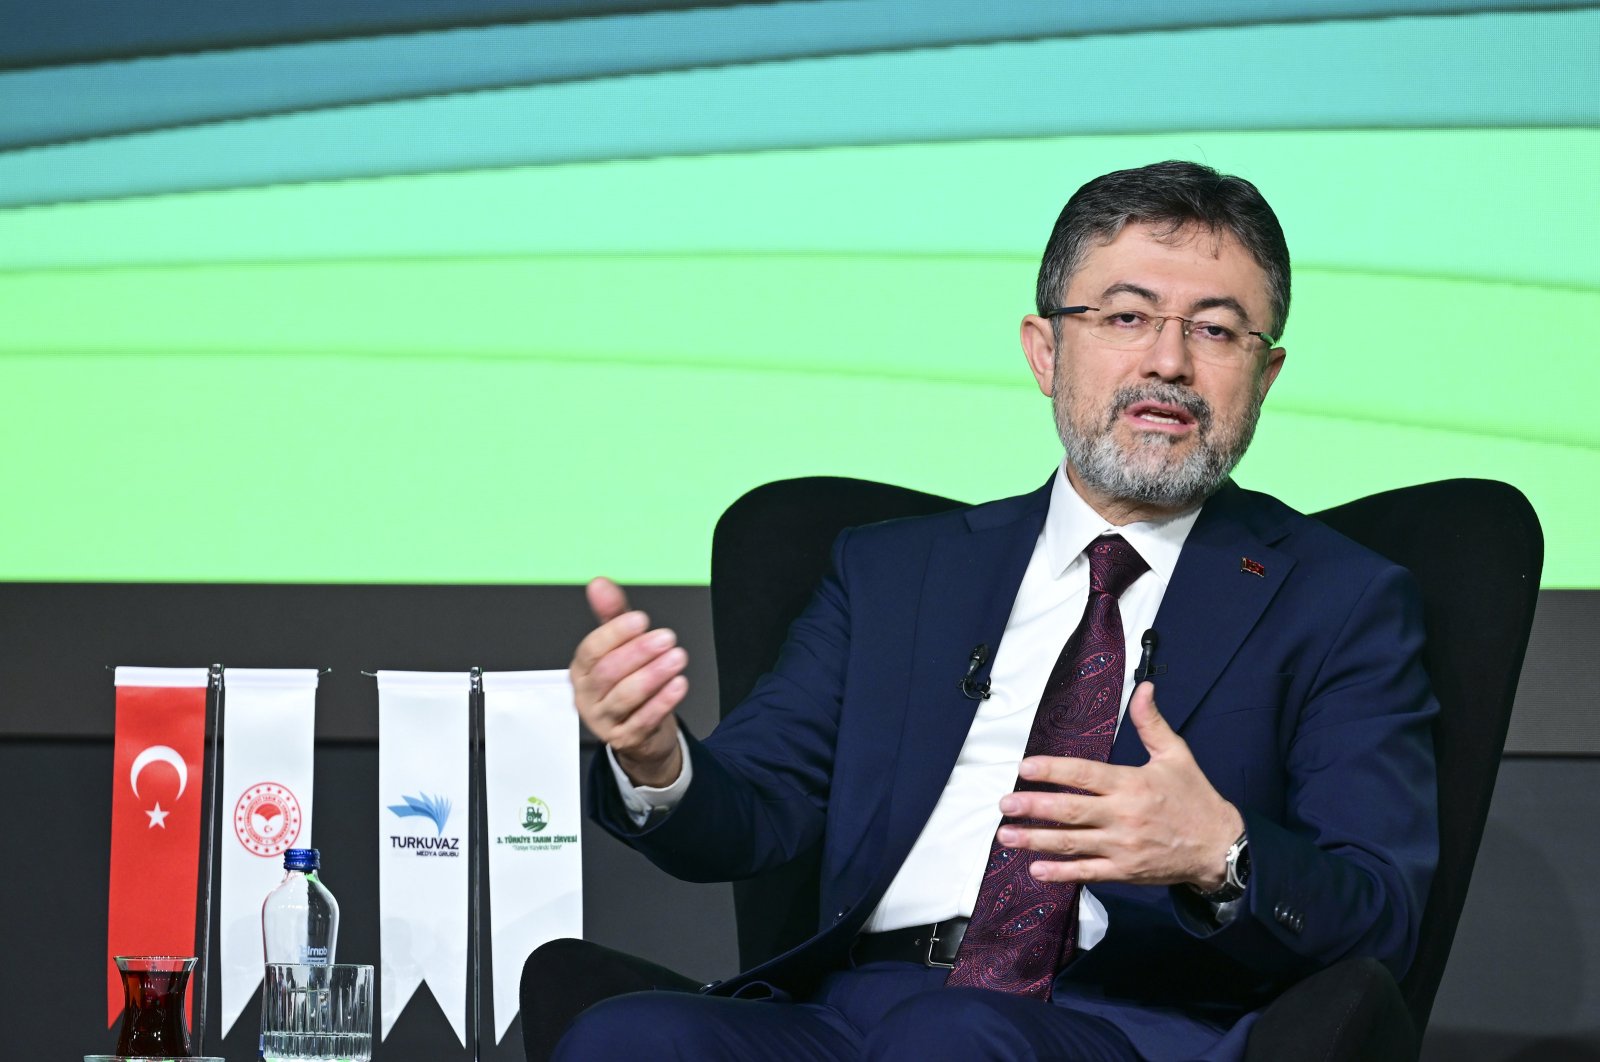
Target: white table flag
(423,839)
(535,817)
(268,737)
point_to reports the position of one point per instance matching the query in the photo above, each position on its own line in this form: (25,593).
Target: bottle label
(311,955)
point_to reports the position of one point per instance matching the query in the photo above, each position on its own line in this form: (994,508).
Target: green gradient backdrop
(539,373)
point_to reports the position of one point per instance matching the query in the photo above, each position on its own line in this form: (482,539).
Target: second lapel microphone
(975,691)
(1148,668)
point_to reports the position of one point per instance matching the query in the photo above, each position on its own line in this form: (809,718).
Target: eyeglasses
(1138,330)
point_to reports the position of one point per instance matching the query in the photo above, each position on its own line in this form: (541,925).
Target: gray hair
(1174,195)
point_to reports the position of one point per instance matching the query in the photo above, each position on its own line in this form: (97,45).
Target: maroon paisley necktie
(1022,930)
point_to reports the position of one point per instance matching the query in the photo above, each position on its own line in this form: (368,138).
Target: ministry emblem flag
(268,735)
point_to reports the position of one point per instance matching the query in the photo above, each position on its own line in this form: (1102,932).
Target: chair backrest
(1474,546)
(1476,549)
(770,550)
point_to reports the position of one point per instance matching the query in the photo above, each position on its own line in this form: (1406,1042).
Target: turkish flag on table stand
(157,805)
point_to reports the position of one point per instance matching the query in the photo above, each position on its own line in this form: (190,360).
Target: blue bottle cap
(301,859)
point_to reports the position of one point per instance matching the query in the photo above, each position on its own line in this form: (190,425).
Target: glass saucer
(146,1058)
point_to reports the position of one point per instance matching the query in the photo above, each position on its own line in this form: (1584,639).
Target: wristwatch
(1236,874)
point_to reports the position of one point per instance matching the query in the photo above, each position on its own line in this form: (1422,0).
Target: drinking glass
(153,1022)
(316,1012)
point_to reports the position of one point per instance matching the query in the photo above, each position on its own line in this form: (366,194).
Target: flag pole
(208,832)
(475,849)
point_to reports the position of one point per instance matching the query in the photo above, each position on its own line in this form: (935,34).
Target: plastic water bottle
(300,918)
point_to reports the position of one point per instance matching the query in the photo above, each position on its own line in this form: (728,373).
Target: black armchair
(1476,549)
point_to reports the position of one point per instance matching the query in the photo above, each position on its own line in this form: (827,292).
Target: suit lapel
(1227,574)
(967,592)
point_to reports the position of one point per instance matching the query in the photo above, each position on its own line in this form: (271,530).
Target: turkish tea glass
(153,1022)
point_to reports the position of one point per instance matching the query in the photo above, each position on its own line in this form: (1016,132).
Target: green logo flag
(534,819)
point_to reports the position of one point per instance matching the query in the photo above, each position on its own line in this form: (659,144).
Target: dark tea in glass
(153,1024)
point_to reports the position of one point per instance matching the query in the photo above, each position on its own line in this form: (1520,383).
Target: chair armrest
(1352,1010)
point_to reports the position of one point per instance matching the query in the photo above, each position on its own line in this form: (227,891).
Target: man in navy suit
(1276,814)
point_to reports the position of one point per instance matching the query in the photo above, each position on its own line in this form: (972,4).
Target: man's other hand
(1159,824)
(628,680)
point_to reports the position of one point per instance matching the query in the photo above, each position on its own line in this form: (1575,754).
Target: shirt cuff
(641,800)
(1224,913)
(1093,921)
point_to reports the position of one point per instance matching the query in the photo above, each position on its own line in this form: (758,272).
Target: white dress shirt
(940,877)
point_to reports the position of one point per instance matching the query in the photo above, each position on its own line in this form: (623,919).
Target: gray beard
(1145,473)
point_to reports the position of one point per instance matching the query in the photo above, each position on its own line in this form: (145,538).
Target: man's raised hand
(1160,824)
(627,681)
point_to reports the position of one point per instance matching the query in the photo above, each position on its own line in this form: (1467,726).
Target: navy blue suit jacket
(1298,686)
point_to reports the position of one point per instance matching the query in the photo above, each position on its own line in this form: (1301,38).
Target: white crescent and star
(159,754)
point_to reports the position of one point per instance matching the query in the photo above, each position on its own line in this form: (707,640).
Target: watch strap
(1236,874)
